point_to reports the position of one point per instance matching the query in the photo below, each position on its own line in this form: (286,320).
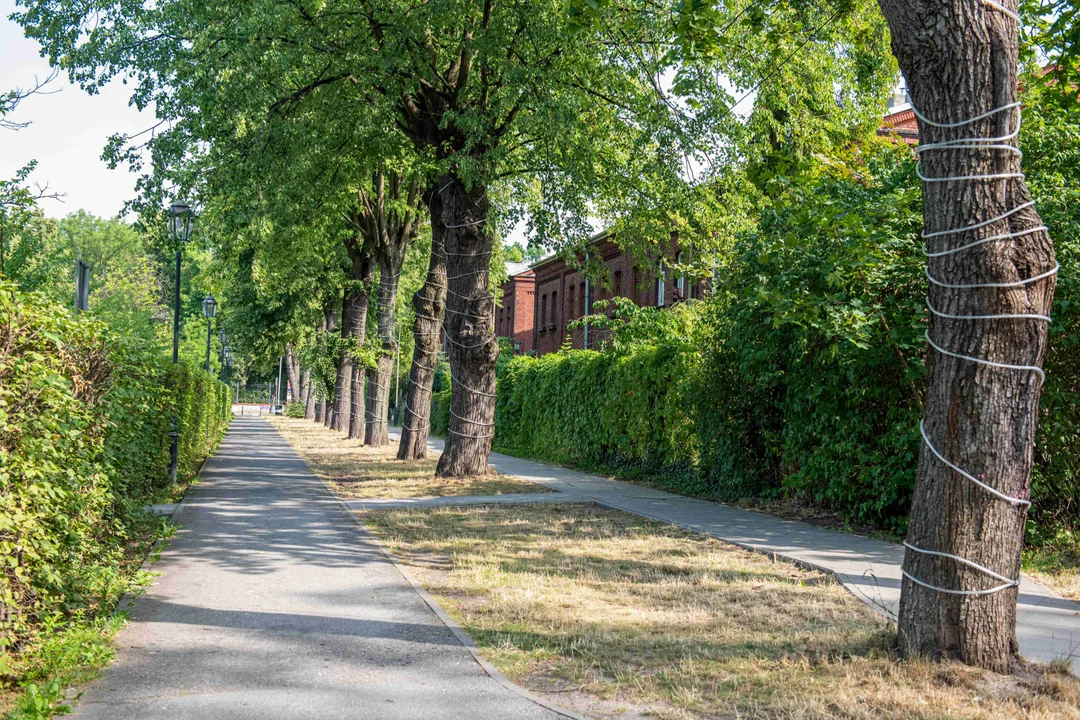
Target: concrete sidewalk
(273,604)
(1048,627)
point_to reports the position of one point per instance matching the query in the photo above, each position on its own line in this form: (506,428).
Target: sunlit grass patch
(356,471)
(618,616)
(1056,565)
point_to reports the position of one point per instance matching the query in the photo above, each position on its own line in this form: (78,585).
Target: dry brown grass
(355,471)
(621,617)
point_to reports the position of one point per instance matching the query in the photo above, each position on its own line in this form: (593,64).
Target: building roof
(516,268)
(602,235)
(901,124)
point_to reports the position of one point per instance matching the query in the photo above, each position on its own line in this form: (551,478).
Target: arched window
(554,308)
(571,308)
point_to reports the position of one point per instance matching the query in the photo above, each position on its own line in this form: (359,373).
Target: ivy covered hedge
(85,417)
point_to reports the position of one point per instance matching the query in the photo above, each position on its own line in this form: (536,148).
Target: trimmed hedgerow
(85,418)
(627,413)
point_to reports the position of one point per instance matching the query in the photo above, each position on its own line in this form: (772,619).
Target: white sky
(68,130)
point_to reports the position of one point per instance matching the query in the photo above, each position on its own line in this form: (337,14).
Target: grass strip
(616,616)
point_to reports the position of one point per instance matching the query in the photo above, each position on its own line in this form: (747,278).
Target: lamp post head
(209,307)
(180,218)
(223,338)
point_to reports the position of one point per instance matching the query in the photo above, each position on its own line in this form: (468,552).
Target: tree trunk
(328,325)
(960,61)
(470,332)
(356,402)
(339,409)
(429,303)
(308,393)
(353,329)
(378,410)
(292,369)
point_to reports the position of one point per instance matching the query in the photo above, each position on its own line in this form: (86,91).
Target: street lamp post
(180,218)
(209,310)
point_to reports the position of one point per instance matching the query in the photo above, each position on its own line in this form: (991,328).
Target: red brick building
(514,319)
(542,300)
(902,124)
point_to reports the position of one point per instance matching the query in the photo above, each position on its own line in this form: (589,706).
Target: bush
(627,412)
(295,410)
(440,412)
(85,418)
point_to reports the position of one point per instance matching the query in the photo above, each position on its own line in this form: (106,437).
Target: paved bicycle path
(273,604)
(1048,627)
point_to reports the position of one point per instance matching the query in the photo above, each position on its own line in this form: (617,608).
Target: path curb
(436,608)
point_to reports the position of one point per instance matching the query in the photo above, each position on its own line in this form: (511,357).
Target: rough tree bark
(353,326)
(429,303)
(308,392)
(357,400)
(292,369)
(960,61)
(470,331)
(329,324)
(378,409)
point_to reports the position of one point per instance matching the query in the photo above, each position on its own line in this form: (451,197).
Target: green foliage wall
(440,412)
(802,374)
(629,412)
(84,437)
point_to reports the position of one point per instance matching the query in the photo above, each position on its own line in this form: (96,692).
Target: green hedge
(84,444)
(440,413)
(630,413)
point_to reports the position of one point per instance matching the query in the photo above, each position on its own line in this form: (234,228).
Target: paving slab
(1048,626)
(272,603)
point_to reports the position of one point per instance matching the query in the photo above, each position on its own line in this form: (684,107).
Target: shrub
(440,412)
(295,410)
(84,435)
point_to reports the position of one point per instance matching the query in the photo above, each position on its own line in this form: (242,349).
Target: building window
(660,286)
(570,305)
(636,279)
(554,308)
(543,312)
(584,298)
(618,284)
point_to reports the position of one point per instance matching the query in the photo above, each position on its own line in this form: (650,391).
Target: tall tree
(991,269)
(429,304)
(388,216)
(347,412)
